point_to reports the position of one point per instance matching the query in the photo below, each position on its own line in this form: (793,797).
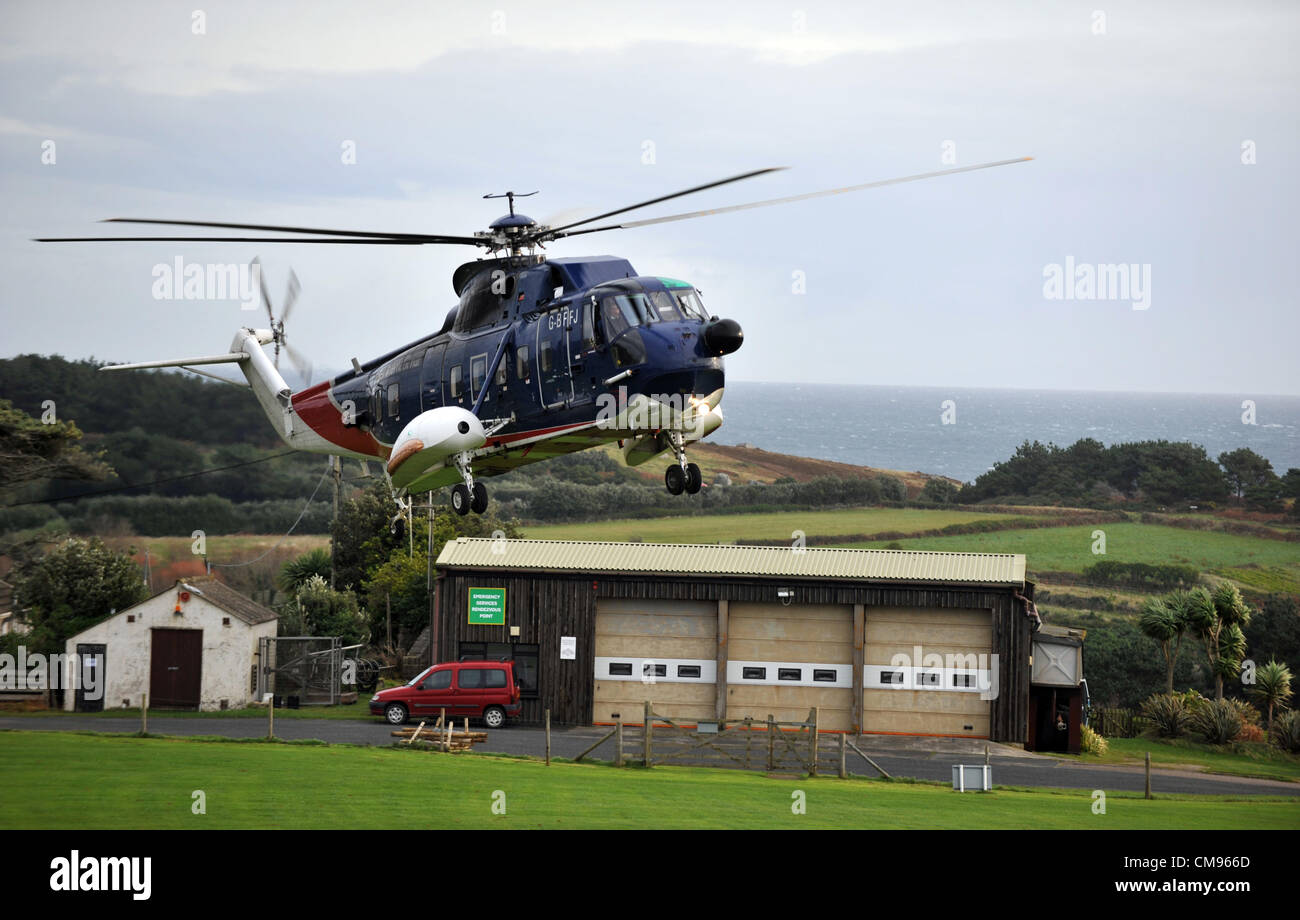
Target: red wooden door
(176,668)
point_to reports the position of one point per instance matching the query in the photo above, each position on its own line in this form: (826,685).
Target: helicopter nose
(723,336)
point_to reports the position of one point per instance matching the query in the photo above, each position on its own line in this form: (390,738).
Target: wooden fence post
(844,770)
(771,743)
(548,737)
(812,745)
(648,732)
(618,743)
(270,719)
(144,714)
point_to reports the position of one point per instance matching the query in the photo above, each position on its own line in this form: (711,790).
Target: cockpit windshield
(691,306)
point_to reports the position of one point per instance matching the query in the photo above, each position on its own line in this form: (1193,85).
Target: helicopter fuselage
(550,354)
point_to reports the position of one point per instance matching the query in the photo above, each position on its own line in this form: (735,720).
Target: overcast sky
(1139,117)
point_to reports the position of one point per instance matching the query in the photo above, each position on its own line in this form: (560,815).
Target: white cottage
(193,646)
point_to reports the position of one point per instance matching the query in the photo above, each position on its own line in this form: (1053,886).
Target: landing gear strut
(469,495)
(682,476)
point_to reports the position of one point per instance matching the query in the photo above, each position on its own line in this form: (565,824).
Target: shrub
(1092,743)
(1218,720)
(1252,734)
(1168,713)
(1286,731)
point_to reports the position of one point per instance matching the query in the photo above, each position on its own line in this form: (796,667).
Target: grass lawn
(58,780)
(1259,760)
(727,528)
(1069,549)
(358,710)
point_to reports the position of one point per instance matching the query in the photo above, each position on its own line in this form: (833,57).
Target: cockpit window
(634,309)
(665,305)
(691,306)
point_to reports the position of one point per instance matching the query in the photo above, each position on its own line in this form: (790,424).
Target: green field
(58,780)
(1262,761)
(1069,549)
(727,528)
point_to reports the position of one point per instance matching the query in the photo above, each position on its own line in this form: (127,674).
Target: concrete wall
(229,651)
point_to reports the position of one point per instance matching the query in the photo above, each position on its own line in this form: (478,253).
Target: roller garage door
(782,661)
(937,692)
(661,651)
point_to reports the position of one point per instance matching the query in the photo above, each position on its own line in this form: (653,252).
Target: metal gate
(306,670)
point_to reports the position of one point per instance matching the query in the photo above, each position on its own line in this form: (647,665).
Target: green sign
(487,606)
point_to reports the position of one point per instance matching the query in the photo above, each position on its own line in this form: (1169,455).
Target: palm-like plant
(1272,688)
(296,572)
(1165,621)
(1218,619)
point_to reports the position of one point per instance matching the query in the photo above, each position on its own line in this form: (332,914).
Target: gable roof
(874,565)
(229,600)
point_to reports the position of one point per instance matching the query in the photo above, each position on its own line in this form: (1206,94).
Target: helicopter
(539,356)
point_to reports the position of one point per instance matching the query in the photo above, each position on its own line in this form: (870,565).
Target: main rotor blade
(689,191)
(312,231)
(225,239)
(789,198)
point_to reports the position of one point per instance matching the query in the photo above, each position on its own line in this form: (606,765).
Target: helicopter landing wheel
(460,500)
(694,479)
(675,479)
(478,504)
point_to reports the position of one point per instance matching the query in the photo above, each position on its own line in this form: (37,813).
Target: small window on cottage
(753,673)
(654,670)
(927,679)
(823,675)
(688,670)
(892,678)
(963,680)
(620,669)
(789,674)
(225,621)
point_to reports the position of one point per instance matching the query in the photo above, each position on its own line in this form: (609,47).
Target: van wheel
(494,716)
(395,713)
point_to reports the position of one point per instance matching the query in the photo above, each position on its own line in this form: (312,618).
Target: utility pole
(336,469)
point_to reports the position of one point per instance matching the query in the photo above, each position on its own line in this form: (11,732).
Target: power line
(156,482)
(301,514)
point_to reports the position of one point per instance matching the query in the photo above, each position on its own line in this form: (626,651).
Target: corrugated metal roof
(728,560)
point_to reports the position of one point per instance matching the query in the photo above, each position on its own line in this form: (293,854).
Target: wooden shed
(881,641)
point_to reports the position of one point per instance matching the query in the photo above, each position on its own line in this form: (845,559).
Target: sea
(962,433)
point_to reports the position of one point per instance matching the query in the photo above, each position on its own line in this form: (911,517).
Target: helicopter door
(431,378)
(554,382)
(582,348)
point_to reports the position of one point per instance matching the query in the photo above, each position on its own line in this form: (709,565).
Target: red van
(484,690)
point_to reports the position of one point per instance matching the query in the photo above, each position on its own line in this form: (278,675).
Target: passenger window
(477,374)
(545,360)
(470,678)
(394,406)
(438,680)
(523,370)
(456,382)
(613,319)
(494,679)
(501,370)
